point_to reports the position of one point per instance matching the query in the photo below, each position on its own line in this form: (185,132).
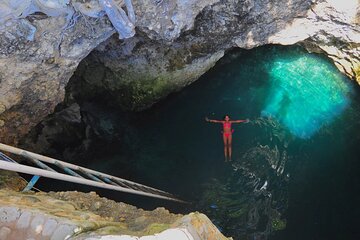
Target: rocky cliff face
(33,74)
(143,69)
(176,42)
(81,216)
(167,55)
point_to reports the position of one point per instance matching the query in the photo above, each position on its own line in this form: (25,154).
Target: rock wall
(167,55)
(176,42)
(331,28)
(80,216)
(16,223)
(33,74)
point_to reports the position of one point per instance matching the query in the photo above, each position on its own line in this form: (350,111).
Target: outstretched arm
(212,120)
(240,121)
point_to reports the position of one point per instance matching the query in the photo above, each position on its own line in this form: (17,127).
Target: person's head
(226,117)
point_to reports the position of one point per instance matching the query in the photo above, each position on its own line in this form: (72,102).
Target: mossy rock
(11,180)
(278,224)
(112,230)
(357,74)
(156,228)
(141,93)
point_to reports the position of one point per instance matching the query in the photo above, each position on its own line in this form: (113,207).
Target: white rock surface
(16,224)
(169,234)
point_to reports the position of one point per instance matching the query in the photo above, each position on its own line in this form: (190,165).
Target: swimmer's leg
(225,147)
(229,146)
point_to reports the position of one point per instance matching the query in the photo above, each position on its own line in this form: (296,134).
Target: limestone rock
(330,27)
(33,74)
(176,42)
(140,71)
(9,214)
(168,19)
(4,232)
(11,180)
(24,220)
(51,218)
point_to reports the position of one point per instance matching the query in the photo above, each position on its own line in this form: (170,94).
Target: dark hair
(226,115)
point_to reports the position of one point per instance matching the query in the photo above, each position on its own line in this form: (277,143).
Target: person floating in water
(227,133)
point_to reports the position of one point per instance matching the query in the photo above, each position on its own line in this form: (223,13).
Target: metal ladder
(74,174)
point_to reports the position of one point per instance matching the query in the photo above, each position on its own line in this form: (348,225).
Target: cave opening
(294,165)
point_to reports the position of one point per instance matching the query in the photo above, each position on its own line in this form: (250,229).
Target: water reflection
(251,200)
(305,93)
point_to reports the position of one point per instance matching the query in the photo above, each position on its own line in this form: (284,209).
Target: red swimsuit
(227,125)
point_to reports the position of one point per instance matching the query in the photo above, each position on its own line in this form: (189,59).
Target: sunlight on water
(305,93)
(275,181)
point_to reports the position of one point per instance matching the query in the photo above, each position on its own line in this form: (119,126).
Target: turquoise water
(305,93)
(295,172)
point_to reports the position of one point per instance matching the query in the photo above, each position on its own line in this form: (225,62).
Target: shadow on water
(325,179)
(285,182)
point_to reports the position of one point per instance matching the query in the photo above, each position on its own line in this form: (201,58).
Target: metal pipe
(105,179)
(89,175)
(31,183)
(44,173)
(6,158)
(67,170)
(39,163)
(23,153)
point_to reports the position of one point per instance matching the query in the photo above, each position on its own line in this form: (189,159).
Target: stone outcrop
(139,71)
(176,42)
(33,74)
(11,180)
(74,215)
(332,28)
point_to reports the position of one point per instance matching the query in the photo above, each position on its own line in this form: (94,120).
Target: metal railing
(74,174)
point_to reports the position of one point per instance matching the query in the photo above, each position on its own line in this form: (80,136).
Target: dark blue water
(295,172)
